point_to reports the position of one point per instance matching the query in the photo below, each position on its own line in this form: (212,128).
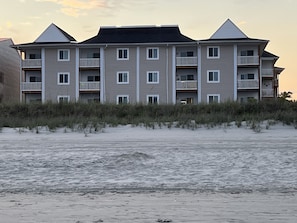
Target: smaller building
(9,72)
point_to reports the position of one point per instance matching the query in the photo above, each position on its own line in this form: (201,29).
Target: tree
(285,95)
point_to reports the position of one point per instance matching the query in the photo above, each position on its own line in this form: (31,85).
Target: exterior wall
(52,68)
(9,72)
(225,87)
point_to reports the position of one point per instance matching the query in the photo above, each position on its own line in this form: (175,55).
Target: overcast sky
(274,20)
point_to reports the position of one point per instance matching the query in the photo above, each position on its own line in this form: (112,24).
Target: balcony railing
(89,86)
(267,73)
(31,63)
(31,86)
(267,93)
(186,61)
(89,62)
(186,85)
(248,60)
(248,84)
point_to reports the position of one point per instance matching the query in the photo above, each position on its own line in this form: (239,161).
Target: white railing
(267,72)
(267,93)
(248,60)
(186,85)
(31,86)
(248,84)
(89,86)
(31,63)
(89,62)
(186,61)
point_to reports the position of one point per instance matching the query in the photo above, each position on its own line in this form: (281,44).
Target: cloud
(77,8)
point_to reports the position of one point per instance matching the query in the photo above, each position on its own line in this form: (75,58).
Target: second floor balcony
(186,61)
(268,93)
(247,60)
(186,85)
(248,84)
(267,72)
(31,63)
(89,62)
(89,86)
(31,86)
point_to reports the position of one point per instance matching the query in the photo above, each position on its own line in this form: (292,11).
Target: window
(213,76)
(189,77)
(213,98)
(247,76)
(63,99)
(187,54)
(247,53)
(123,77)
(123,54)
(153,99)
(63,79)
(122,99)
(63,55)
(93,78)
(213,52)
(35,79)
(152,53)
(1,77)
(153,77)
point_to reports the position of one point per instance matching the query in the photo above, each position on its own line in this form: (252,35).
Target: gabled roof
(268,54)
(54,34)
(229,31)
(138,34)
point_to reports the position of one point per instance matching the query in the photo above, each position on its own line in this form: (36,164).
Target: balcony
(89,62)
(31,86)
(186,85)
(248,84)
(247,60)
(267,93)
(89,86)
(186,61)
(31,63)
(267,73)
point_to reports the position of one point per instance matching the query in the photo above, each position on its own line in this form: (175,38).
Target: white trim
(152,72)
(63,73)
(43,75)
(152,48)
(122,96)
(214,95)
(66,50)
(235,72)
(122,49)
(102,75)
(199,74)
(63,96)
(77,73)
(123,72)
(137,75)
(213,57)
(213,71)
(173,74)
(153,95)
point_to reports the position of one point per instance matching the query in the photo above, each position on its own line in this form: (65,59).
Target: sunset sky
(274,20)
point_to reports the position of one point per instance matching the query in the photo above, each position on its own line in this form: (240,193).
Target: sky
(273,20)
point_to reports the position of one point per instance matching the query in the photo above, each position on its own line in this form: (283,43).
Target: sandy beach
(163,175)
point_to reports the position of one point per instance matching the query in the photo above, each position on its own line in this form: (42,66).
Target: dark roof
(162,34)
(69,37)
(268,54)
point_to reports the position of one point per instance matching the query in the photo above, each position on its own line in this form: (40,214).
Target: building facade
(148,64)
(9,72)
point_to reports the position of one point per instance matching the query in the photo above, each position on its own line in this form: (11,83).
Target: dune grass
(96,115)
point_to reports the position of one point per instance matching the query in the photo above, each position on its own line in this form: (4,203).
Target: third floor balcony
(248,84)
(31,63)
(89,62)
(247,60)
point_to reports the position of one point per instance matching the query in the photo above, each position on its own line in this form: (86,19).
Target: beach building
(9,72)
(147,64)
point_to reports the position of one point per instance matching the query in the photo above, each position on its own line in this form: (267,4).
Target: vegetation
(95,116)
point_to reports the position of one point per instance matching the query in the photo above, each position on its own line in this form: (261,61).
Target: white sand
(149,207)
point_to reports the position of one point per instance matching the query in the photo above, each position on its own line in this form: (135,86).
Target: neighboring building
(147,65)
(9,72)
